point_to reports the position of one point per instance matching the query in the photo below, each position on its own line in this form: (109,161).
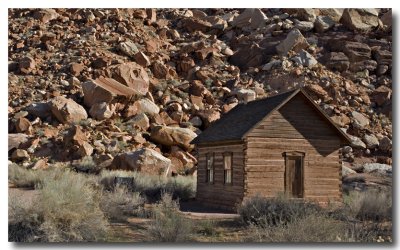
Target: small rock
(356,51)
(347,149)
(381,95)
(360,120)
(305,59)
(146,106)
(85,149)
(371,141)
(306,14)
(304,26)
(336,61)
(141,121)
(27,63)
(76,68)
(196,121)
(132,75)
(272,64)
(67,110)
(40,165)
(357,143)
(45,15)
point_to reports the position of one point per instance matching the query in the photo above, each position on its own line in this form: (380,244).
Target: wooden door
(294,176)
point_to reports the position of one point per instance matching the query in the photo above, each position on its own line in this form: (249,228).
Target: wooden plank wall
(295,127)
(217,193)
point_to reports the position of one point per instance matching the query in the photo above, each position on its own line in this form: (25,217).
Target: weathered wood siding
(217,193)
(297,126)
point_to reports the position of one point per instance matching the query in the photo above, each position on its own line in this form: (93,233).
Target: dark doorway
(294,174)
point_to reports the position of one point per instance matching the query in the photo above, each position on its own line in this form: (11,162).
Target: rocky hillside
(132,87)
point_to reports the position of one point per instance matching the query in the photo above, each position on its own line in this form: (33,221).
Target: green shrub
(275,211)
(168,225)
(207,228)
(371,204)
(312,228)
(120,203)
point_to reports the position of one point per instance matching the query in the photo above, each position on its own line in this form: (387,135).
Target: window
(228,168)
(210,168)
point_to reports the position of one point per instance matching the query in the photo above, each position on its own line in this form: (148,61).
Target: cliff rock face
(141,84)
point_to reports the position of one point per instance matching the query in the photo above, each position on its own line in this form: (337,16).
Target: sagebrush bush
(24,178)
(120,203)
(371,204)
(275,211)
(87,165)
(311,228)
(151,186)
(71,209)
(24,220)
(168,225)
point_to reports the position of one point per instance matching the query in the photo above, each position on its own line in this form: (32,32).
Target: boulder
(27,63)
(304,26)
(142,59)
(387,20)
(370,65)
(258,19)
(172,136)
(101,111)
(128,48)
(244,19)
(370,141)
(377,168)
(85,149)
(246,95)
(357,143)
(45,15)
(23,125)
(76,68)
(144,160)
(210,115)
(359,119)
(347,171)
(67,110)
(294,41)
(39,109)
(132,75)
(385,144)
(15,140)
(146,106)
(40,165)
(362,20)
(20,155)
(306,14)
(336,61)
(103,90)
(75,136)
(248,56)
(140,121)
(341,120)
(381,95)
(317,90)
(356,51)
(323,23)
(196,24)
(334,14)
(306,59)
(196,121)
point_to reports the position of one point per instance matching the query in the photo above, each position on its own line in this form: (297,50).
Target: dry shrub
(67,210)
(372,204)
(71,209)
(152,186)
(312,228)
(168,225)
(275,211)
(24,178)
(120,203)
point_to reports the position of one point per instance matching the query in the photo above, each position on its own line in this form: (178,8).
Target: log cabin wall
(294,127)
(219,194)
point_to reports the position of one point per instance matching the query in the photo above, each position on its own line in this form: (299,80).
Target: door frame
(286,155)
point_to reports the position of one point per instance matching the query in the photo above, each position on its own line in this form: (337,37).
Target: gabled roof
(234,125)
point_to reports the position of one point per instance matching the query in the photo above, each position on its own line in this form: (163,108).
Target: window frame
(211,169)
(226,169)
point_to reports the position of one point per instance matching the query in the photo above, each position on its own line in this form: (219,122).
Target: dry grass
(24,178)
